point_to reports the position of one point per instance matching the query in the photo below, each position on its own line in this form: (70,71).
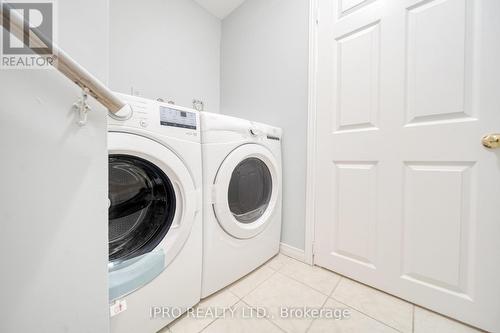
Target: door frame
(310,218)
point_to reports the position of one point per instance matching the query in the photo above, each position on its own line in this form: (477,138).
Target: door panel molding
(403,195)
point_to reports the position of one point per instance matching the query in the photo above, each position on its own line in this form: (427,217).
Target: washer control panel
(177,118)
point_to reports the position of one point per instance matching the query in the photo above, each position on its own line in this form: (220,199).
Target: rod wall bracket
(82,107)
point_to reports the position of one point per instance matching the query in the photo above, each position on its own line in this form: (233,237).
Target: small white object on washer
(242,198)
(155,230)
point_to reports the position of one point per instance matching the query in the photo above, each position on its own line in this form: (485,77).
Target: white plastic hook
(82,107)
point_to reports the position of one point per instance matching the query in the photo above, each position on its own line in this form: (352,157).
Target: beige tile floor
(253,305)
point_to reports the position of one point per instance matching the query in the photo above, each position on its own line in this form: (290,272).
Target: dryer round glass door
(246,191)
(249,190)
(141,206)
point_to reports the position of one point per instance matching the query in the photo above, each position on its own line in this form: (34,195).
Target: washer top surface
(217,128)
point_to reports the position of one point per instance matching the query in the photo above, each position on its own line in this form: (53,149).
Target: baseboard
(293,252)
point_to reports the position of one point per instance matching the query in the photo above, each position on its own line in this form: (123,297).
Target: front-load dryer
(155,215)
(242,198)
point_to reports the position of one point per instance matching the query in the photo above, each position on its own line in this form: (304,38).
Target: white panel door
(408,200)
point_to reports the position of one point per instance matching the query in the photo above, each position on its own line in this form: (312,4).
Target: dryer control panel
(177,118)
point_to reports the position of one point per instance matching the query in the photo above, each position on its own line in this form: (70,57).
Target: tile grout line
(279,271)
(276,271)
(333,291)
(256,286)
(247,275)
(213,321)
(413,319)
(231,306)
(328,296)
(225,289)
(311,287)
(336,286)
(324,303)
(305,284)
(367,315)
(267,319)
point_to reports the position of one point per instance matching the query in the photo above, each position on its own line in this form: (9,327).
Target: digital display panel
(175,118)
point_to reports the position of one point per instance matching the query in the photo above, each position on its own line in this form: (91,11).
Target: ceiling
(220,8)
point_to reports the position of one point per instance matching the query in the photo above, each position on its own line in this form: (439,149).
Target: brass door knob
(491,141)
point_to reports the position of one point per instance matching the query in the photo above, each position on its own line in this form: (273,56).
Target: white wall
(53,193)
(264,77)
(83,33)
(165,48)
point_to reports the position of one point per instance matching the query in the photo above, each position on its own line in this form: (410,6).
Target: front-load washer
(242,198)
(155,215)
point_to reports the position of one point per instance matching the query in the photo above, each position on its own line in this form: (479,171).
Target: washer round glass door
(152,210)
(141,206)
(152,198)
(246,191)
